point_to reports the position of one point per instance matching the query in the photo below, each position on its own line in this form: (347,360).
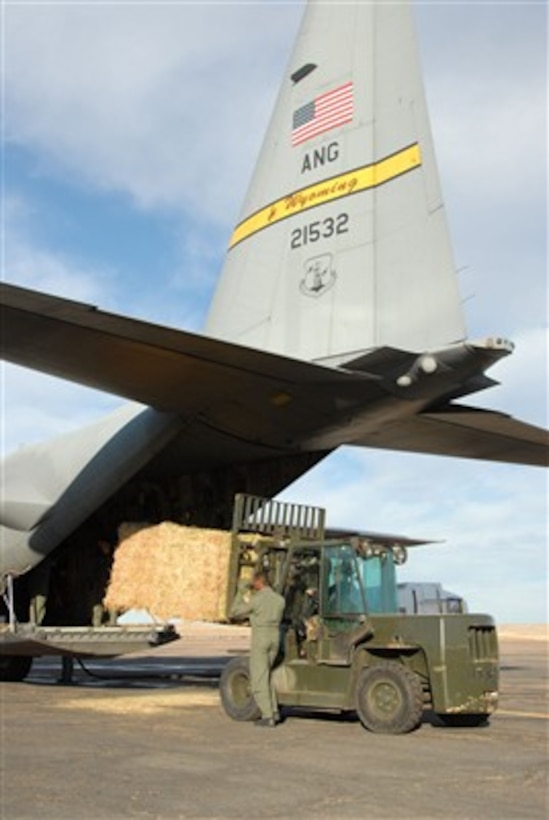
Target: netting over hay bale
(171,571)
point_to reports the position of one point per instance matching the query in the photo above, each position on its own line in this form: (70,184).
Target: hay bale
(171,571)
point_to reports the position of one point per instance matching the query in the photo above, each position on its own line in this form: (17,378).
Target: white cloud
(164,104)
(491,126)
(486,81)
(39,268)
(36,407)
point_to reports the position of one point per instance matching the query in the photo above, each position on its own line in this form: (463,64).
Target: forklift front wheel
(236,691)
(389,698)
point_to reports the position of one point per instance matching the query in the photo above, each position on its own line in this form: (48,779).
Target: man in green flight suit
(265,609)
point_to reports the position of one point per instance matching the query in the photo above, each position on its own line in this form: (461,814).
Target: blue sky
(130,133)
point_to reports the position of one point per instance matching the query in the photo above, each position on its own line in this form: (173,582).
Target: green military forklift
(344,645)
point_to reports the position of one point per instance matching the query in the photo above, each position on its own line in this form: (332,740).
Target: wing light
(281,399)
(423,364)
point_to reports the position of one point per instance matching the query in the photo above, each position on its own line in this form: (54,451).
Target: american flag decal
(324,112)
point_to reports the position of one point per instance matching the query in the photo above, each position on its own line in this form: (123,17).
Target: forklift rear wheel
(14,667)
(389,698)
(236,691)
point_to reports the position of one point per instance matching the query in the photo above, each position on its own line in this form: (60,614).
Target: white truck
(428,598)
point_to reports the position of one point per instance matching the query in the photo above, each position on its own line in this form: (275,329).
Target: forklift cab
(331,589)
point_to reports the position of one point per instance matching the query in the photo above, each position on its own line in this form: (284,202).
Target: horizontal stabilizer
(465,432)
(129,357)
(248,393)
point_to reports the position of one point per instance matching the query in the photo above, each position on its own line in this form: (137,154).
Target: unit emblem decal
(319,275)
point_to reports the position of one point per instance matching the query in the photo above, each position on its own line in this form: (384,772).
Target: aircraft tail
(342,244)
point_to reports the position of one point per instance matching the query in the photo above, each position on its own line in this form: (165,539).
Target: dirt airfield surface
(147,738)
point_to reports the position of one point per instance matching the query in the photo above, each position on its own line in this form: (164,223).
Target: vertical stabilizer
(342,243)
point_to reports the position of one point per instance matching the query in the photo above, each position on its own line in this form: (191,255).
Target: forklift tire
(14,667)
(236,691)
(389,698)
